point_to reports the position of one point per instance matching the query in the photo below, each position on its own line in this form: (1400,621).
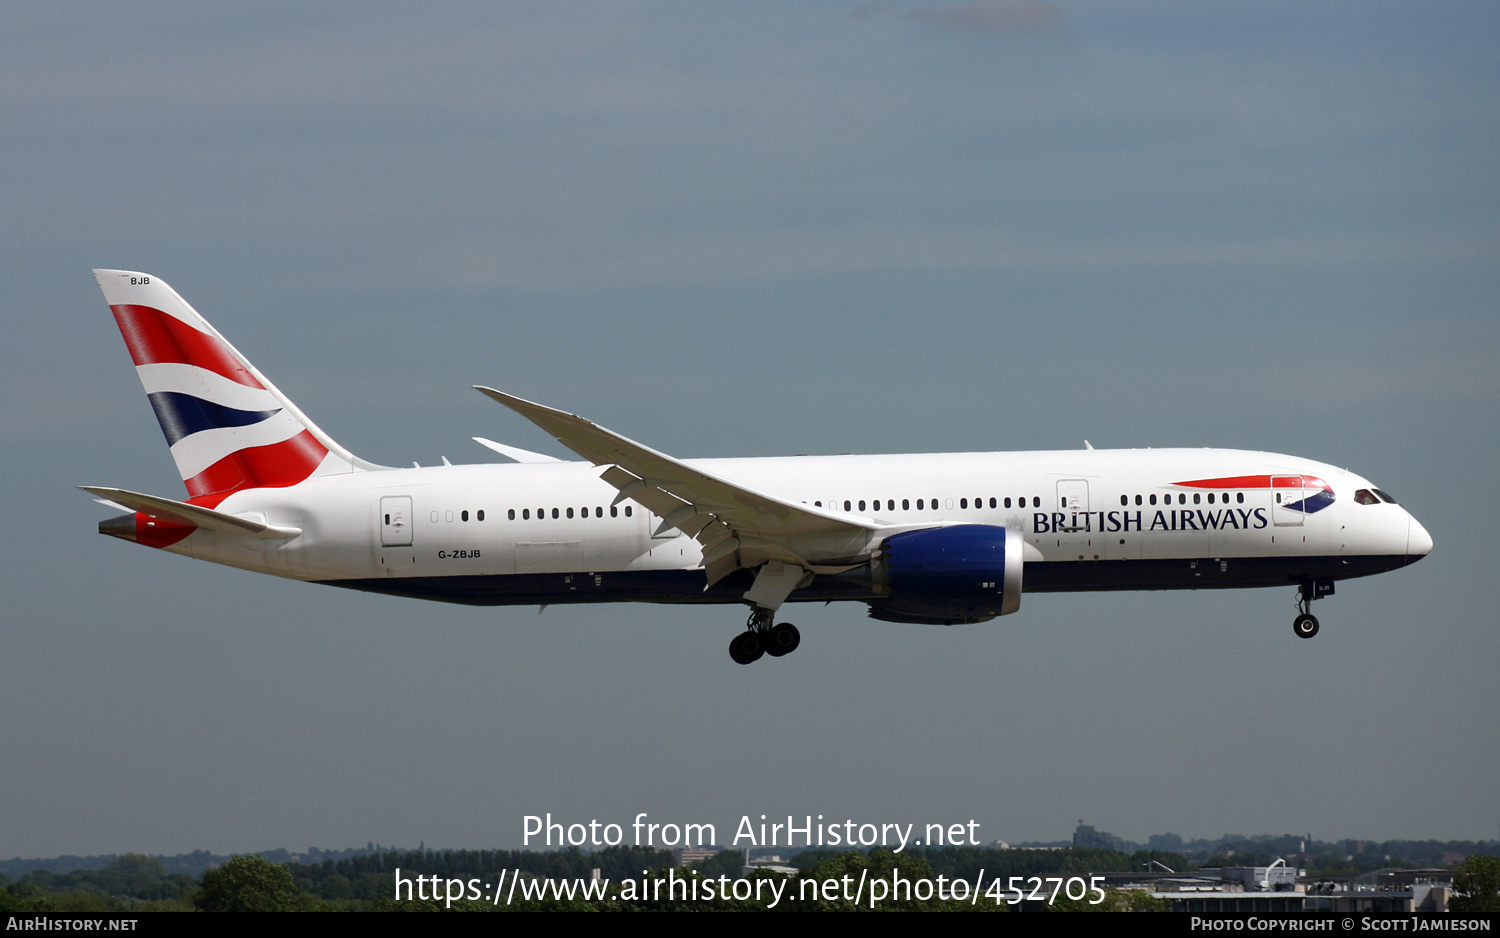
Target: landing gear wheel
(1306,625)
(746,648)
(783,640)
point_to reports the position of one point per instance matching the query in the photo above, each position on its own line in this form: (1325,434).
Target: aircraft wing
(724,516)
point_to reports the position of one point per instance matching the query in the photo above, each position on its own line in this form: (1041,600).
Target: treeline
(632,880)
(1327,857)
(193,864)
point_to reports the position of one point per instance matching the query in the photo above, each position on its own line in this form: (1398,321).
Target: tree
(1477,889)
(247,884)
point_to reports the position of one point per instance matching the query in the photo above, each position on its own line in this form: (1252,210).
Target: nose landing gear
(1306,624)
(762,638)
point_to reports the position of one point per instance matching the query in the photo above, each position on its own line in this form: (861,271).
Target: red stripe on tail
(153,337)
(277,465)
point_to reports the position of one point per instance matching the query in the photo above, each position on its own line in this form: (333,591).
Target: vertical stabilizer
(228,427)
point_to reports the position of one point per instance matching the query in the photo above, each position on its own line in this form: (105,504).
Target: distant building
(687,856)
(1084,835)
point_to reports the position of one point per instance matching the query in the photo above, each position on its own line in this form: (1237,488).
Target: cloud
(992,16)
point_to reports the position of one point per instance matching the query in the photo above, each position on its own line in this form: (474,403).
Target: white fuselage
(1090,519)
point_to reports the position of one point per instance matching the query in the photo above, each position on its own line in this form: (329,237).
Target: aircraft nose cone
(1418,541)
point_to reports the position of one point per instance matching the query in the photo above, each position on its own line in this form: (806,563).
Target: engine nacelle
(959,573)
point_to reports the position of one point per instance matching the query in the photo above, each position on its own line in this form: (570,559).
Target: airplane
(921,538)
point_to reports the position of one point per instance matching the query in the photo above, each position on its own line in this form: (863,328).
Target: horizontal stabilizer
(182,513)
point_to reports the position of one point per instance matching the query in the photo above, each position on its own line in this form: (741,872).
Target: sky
(737,230)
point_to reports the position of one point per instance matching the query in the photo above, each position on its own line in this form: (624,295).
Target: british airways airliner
(940,539)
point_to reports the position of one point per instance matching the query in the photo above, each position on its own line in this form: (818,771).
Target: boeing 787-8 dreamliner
(930,538)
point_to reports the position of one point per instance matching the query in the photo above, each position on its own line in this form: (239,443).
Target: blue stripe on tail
(182,415)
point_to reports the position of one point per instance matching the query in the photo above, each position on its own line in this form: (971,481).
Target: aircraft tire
(1306,625)
(783,640)
(746,648)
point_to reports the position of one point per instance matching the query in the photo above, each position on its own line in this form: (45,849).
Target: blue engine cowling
(959,573)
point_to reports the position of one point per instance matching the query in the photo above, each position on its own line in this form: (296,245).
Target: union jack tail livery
(228,427)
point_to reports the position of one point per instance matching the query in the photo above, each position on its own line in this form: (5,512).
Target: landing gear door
(395,521)
(1285,491)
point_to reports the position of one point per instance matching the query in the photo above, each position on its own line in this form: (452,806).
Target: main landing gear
(762,638)
(1306,624)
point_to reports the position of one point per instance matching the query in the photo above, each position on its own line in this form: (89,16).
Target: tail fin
(227,426)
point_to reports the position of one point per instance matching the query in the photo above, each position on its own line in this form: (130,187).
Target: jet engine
(956,574)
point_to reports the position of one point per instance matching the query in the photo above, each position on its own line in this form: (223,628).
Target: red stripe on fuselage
(277,465)
(153,337)
(1256,482)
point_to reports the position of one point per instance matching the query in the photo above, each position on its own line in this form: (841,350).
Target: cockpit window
(1364,497)
(1386,498)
